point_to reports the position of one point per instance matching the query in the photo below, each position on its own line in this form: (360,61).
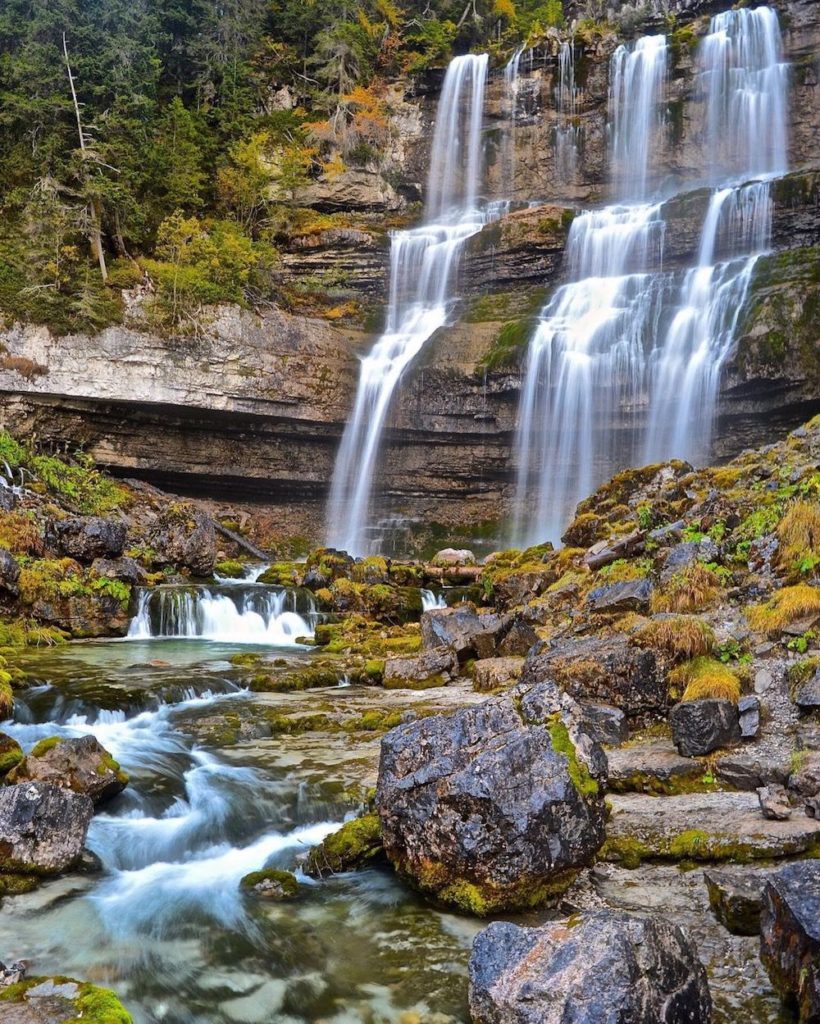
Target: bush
(703,678)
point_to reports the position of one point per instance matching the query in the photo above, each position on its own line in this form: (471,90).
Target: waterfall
(511,90)
(743,81)
(567,132)
(231,615)
(620,336)
(430,601)
(423,262)
(637,85)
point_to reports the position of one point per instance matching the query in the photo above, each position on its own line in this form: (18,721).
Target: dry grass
(681,637)
(784,607)
(694,588)
(20,534)
(704,678)
(799,535)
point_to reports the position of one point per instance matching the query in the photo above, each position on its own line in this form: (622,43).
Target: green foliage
(78,484)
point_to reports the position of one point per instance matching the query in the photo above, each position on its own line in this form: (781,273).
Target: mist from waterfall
(423,264)
(621,337)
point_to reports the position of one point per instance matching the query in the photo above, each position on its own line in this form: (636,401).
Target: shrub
(683,636)
(799,536)
(703,678)
(784,607)
(694,588)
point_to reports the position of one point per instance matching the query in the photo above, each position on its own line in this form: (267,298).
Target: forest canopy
(165,137)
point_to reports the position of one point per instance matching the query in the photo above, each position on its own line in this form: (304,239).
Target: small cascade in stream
(234,614)
(423,263)
(568,131)
(622,336)
(431,601)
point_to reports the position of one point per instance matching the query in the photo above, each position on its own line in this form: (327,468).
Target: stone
(11,753)
(82,765)
(12,974)
(601,967)
(672,531)
(652,766)
(357,844)
(701,726)
(763,680)
(807,694)
(713,826)
(629,596)
(774,802)
(493,673)
(9,573)
(497,806)
(748,714)
(463,630)
(126,569)
(42,828)
(604,723)
(520,639)
(454,556)
(85,538)
(184,536)
(608,551)
(687,553)
(604,669)
(435,667)
(271,884)
(790,936)
(736,898)
(804,781)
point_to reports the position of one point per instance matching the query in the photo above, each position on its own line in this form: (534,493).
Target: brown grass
(704,678)
(681,637)
(20,534)
(694,588)
(784,607)
(799,533)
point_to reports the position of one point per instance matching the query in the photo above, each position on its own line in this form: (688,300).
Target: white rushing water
(431,601)
(423,263)
(235,615)
(621,337)
(568,131)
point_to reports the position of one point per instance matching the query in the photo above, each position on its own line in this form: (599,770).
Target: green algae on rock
(355,845)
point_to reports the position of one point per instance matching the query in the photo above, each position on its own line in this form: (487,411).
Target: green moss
(45,745)
(801,671)
(284,883)
(108,764)
(230,569)
(578,771)
(510,346)
(355,845)
(101,1006)
(11,754)
(482,898)
(689,845)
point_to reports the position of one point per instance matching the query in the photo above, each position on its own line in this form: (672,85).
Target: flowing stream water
(423,265)
(625,363)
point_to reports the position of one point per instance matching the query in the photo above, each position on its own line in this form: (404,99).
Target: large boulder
(736,898)
(790,936)
(701,726)
(467,632)
(42,828)
(9,573)
(627,596)
(82,765)
(607,967)
(87,537)
(184,536)
(496,807)
(420,671)
(606,670)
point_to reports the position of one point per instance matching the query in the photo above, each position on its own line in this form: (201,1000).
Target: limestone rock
(608,966)
(430,668)
(736,898)
(355,845)
(454,556)
(630,595)
(42,828)
(126,569)
(807,694)
(701,726)
(271,884)
(9,573)
(494,807)
(652,766)
(604,723)
(790,936)
(184,536)
(87,537)
(463,629)
(493,673)
(82,765)
(774,802)
(748,713)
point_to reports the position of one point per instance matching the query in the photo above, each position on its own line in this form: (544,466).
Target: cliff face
(252,409)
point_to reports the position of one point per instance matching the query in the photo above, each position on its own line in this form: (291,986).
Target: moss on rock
(356,845)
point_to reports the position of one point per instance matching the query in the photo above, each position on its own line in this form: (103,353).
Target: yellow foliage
(681,637)
(784,607)
(704,678)
(19,534)
(504,9)
(799,534)
(692,589)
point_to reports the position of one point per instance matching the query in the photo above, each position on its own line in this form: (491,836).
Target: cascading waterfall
(744,84)
(230,615)
(609,343)
(586,358)
(512,83)
(431,601)
(423,262)
(568,132)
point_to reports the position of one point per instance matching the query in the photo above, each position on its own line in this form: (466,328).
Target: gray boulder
(807,693)
(126,569)
(82,765)
(422,671)
(9,573)
(605,723)
(184,537)
(736,898)
(609,967)
(465,631)
(748,712)
(774,802)
(629,596)
(87,537)
(701,726)
(42,828)
(495,807)
(790,936)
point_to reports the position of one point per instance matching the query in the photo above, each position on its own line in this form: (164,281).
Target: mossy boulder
(496,807)
(11,753)
(63,1000)
(82,765)
(271,884)
(357,844)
